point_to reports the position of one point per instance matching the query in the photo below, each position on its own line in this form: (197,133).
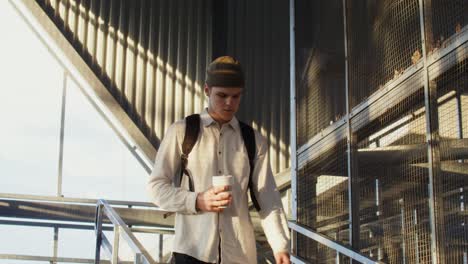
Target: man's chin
(227,118)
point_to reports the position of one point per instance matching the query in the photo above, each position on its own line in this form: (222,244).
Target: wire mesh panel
(443,19)
(449,80)
(322,195)
(384,40)
(320,66)
(412,206)
(391,166)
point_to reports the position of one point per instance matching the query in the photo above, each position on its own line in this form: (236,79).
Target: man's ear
(207,90)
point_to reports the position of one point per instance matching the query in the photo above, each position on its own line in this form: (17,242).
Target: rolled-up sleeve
(272,214)
(166,167)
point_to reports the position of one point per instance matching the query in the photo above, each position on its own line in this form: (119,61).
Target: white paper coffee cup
(223,180)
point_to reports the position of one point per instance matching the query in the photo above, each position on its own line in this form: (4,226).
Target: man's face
(223,102)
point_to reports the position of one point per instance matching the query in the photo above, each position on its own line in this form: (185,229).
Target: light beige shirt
(218,151)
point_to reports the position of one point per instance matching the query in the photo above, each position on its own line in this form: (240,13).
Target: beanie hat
(225,71)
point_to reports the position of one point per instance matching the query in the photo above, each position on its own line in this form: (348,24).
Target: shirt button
(220,134)
(219,152)
(220,172)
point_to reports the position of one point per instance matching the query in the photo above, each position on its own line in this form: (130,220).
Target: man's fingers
(219,197)
(221,203)
(216,209)
(223,196)
(218,189)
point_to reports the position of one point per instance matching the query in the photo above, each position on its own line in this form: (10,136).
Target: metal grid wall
(411,205)
(391,162)
(320,66)
(445,29)
(322,199)
(384,40)
(443,19)
(151,55)
(450,83)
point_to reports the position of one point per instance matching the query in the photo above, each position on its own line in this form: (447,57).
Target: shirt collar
(207,120)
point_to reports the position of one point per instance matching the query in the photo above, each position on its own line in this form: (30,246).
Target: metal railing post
(115,246)
(138,258)
(293,140)
(98,230)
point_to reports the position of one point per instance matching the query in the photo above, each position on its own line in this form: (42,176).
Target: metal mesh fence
(322,194)
(320,66)
(449,83)
(384,40)
(443,19)
(408,199)
(391,164)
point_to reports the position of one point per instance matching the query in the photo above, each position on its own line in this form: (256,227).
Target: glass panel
(151,242)
(80,244)
(96,162)
(75,243)
(30,110)
(26,240)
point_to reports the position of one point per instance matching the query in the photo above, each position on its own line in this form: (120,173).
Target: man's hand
(282,258)
(211,199)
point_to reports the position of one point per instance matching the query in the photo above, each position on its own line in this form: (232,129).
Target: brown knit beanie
(225,71)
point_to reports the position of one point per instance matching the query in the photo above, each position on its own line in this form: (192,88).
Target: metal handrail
(120,228)
(339,248)
(17,196)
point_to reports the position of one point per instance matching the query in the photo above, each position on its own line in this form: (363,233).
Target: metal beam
(80,213)
(75,200)
(154,230)
(436,205)
(62,134)
(56,238)
(352,158)
(52,259)
(99,234)
(292,88)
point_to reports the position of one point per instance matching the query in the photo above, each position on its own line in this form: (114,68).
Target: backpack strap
(192,129)
(248,135)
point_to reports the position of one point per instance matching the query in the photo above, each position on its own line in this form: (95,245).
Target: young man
(206,232)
